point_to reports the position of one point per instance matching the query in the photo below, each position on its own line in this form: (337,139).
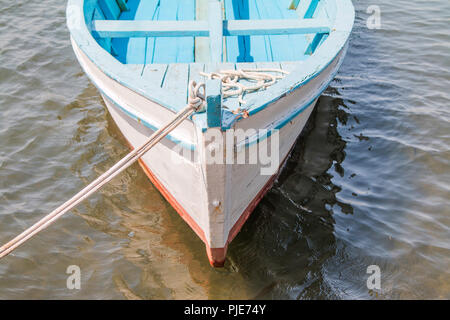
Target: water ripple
(367,182)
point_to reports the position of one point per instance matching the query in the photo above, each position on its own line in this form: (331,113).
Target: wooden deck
(175,77)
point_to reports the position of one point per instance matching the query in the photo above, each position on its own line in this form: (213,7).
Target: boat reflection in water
(284,245)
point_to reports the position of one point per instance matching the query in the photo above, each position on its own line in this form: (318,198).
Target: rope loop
(260,79)
(196,99)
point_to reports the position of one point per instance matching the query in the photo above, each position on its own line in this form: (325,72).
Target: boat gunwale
(142,119)
(300,75)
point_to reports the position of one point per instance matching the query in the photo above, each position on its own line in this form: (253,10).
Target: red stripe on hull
(173,202)
(216,256)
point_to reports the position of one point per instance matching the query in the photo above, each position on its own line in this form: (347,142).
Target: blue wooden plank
(215,30)
(151,28)
(110,9)
(302,8)
(151,41)
(281,45)
(311,9)
(89,7)
(318,12)
(105,43)
(299,40)
(122,5)
(237,47)
(154,74)
(135,70)
(167,49)
(176,84)
(241,8)
(231,43)
(260,49)
(306,10)
(289,27)
(202,52)
(269,65)
(214,103)
(121,44)
(138,69)
(289,65)
(185,45)
(316,41)
(276,48)
(138,48)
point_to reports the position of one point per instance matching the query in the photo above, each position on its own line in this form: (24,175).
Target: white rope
(262,78)
(196,99)
(196,102)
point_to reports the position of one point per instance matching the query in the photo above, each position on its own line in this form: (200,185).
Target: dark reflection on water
(278,254)
(290,234)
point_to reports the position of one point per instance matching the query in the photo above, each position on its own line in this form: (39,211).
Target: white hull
(214,199)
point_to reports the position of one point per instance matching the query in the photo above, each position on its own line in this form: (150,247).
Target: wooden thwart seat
(214,27)
(150,28)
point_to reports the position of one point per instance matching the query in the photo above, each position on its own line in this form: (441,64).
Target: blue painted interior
(340,13)
(156,50)
(181,49)
(263,48)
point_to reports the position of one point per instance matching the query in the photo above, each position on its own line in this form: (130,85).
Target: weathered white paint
(214,195)
(144,108)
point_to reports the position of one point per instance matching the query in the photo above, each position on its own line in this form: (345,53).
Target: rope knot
(257,79)
(196,99)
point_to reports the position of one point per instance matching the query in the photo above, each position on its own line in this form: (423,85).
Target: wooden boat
(141,55)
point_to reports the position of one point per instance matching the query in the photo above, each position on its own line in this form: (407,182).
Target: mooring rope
(232,87)
(196,102)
